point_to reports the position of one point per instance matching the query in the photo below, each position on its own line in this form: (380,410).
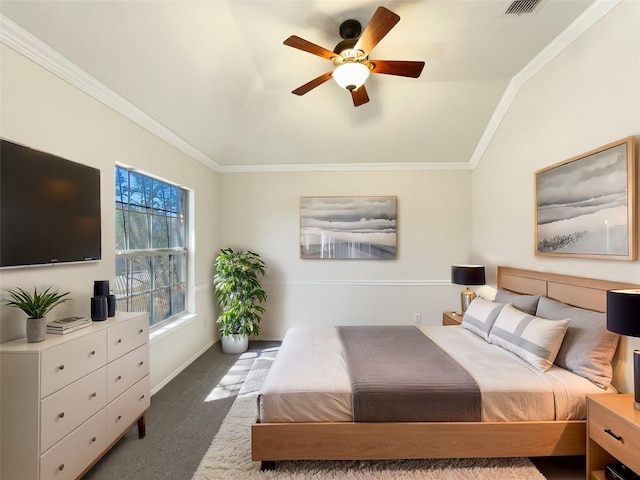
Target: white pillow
(487,292)
(535,340)
(480,316)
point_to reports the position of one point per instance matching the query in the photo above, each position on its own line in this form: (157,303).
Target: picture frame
(586,206)
(339,228)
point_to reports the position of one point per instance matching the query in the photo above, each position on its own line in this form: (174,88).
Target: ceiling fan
(351,56)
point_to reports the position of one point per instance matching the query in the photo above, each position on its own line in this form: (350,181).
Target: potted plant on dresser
(239,294)
(36,307)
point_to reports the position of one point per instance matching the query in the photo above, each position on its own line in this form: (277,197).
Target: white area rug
(229,456)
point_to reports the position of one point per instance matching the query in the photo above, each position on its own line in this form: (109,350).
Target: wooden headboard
(589,293)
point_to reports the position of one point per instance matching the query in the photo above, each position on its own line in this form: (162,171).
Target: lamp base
(636,379)
(465,299)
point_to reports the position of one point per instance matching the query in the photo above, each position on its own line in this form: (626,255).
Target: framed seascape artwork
(586,206)
(348,227)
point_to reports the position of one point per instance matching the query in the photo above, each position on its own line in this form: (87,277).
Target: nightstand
(451,318)
(613,433)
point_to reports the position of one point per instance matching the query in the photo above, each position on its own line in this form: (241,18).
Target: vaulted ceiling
(214,78)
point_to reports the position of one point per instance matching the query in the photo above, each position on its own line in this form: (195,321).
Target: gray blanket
(400,375)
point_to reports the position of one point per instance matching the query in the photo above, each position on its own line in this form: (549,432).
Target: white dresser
(65,401)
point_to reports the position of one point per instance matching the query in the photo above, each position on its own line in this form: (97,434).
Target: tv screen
(49,208)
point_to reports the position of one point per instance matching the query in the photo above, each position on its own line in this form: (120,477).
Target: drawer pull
(119,418)
(61,367)
(119,340)
(61,467)
(617,437)
(93,395)
(93,440)
(140,331)
(61,415)
(140,364)
(119,378)
(142,397)
(93,352)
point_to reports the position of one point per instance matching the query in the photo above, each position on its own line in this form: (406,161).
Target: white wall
(42,111)
(258,211)
(261,212)
(586,97)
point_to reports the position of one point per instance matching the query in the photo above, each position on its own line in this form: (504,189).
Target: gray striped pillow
(480,316)
(535,340)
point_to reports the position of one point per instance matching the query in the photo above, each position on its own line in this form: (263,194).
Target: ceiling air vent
(520,7)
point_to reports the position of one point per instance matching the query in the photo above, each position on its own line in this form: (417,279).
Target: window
(151,253)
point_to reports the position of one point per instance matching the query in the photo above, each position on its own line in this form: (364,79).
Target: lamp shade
(467,274)
(623,312)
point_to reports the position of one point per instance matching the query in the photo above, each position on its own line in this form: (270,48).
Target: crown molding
(580,25)
(40,53)
(32,48)
(345,167)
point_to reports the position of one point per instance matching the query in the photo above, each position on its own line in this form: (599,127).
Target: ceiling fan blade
(312,84)
(397,67)
(359,96)
(379,25)
(307,46)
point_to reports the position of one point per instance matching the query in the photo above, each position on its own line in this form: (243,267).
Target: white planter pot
(36,329)
(234,343)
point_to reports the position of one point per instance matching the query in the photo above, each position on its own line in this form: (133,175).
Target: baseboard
(177,371)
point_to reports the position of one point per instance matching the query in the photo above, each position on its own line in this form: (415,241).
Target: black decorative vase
(101,288)
(99,309)
(111,305)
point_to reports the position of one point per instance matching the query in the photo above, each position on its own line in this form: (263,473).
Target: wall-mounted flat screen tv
(49,208)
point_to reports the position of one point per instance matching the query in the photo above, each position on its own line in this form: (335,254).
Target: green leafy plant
(239,292)
(38,304)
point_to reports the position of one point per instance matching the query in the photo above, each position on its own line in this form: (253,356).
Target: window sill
(170,327)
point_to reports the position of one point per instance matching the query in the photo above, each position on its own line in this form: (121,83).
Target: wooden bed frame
(374,441)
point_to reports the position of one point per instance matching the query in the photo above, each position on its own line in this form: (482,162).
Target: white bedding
(309,380)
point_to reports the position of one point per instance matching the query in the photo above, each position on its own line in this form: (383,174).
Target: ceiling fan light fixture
(351,75)
(350,57)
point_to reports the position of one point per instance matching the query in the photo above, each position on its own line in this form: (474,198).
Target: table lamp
(467,275)
(623,317)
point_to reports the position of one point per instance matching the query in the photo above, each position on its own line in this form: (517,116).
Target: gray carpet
(181,422)
(185,416)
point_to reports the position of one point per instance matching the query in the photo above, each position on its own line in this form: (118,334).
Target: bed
(555,423)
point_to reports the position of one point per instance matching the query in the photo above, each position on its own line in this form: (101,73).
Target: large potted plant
(239,295)
(36,307)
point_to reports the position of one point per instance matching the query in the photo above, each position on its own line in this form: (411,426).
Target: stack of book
(64,325)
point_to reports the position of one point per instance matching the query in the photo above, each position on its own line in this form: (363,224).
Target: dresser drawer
(125,409)
(71,456)
(63,411)
(126,336)
(126,371)
(66,363)
(616,436)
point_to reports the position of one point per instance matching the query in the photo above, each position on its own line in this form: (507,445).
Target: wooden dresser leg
(267,465)
(142,425)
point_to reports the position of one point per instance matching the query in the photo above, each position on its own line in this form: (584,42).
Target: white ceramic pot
(234,343)
(36,329)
